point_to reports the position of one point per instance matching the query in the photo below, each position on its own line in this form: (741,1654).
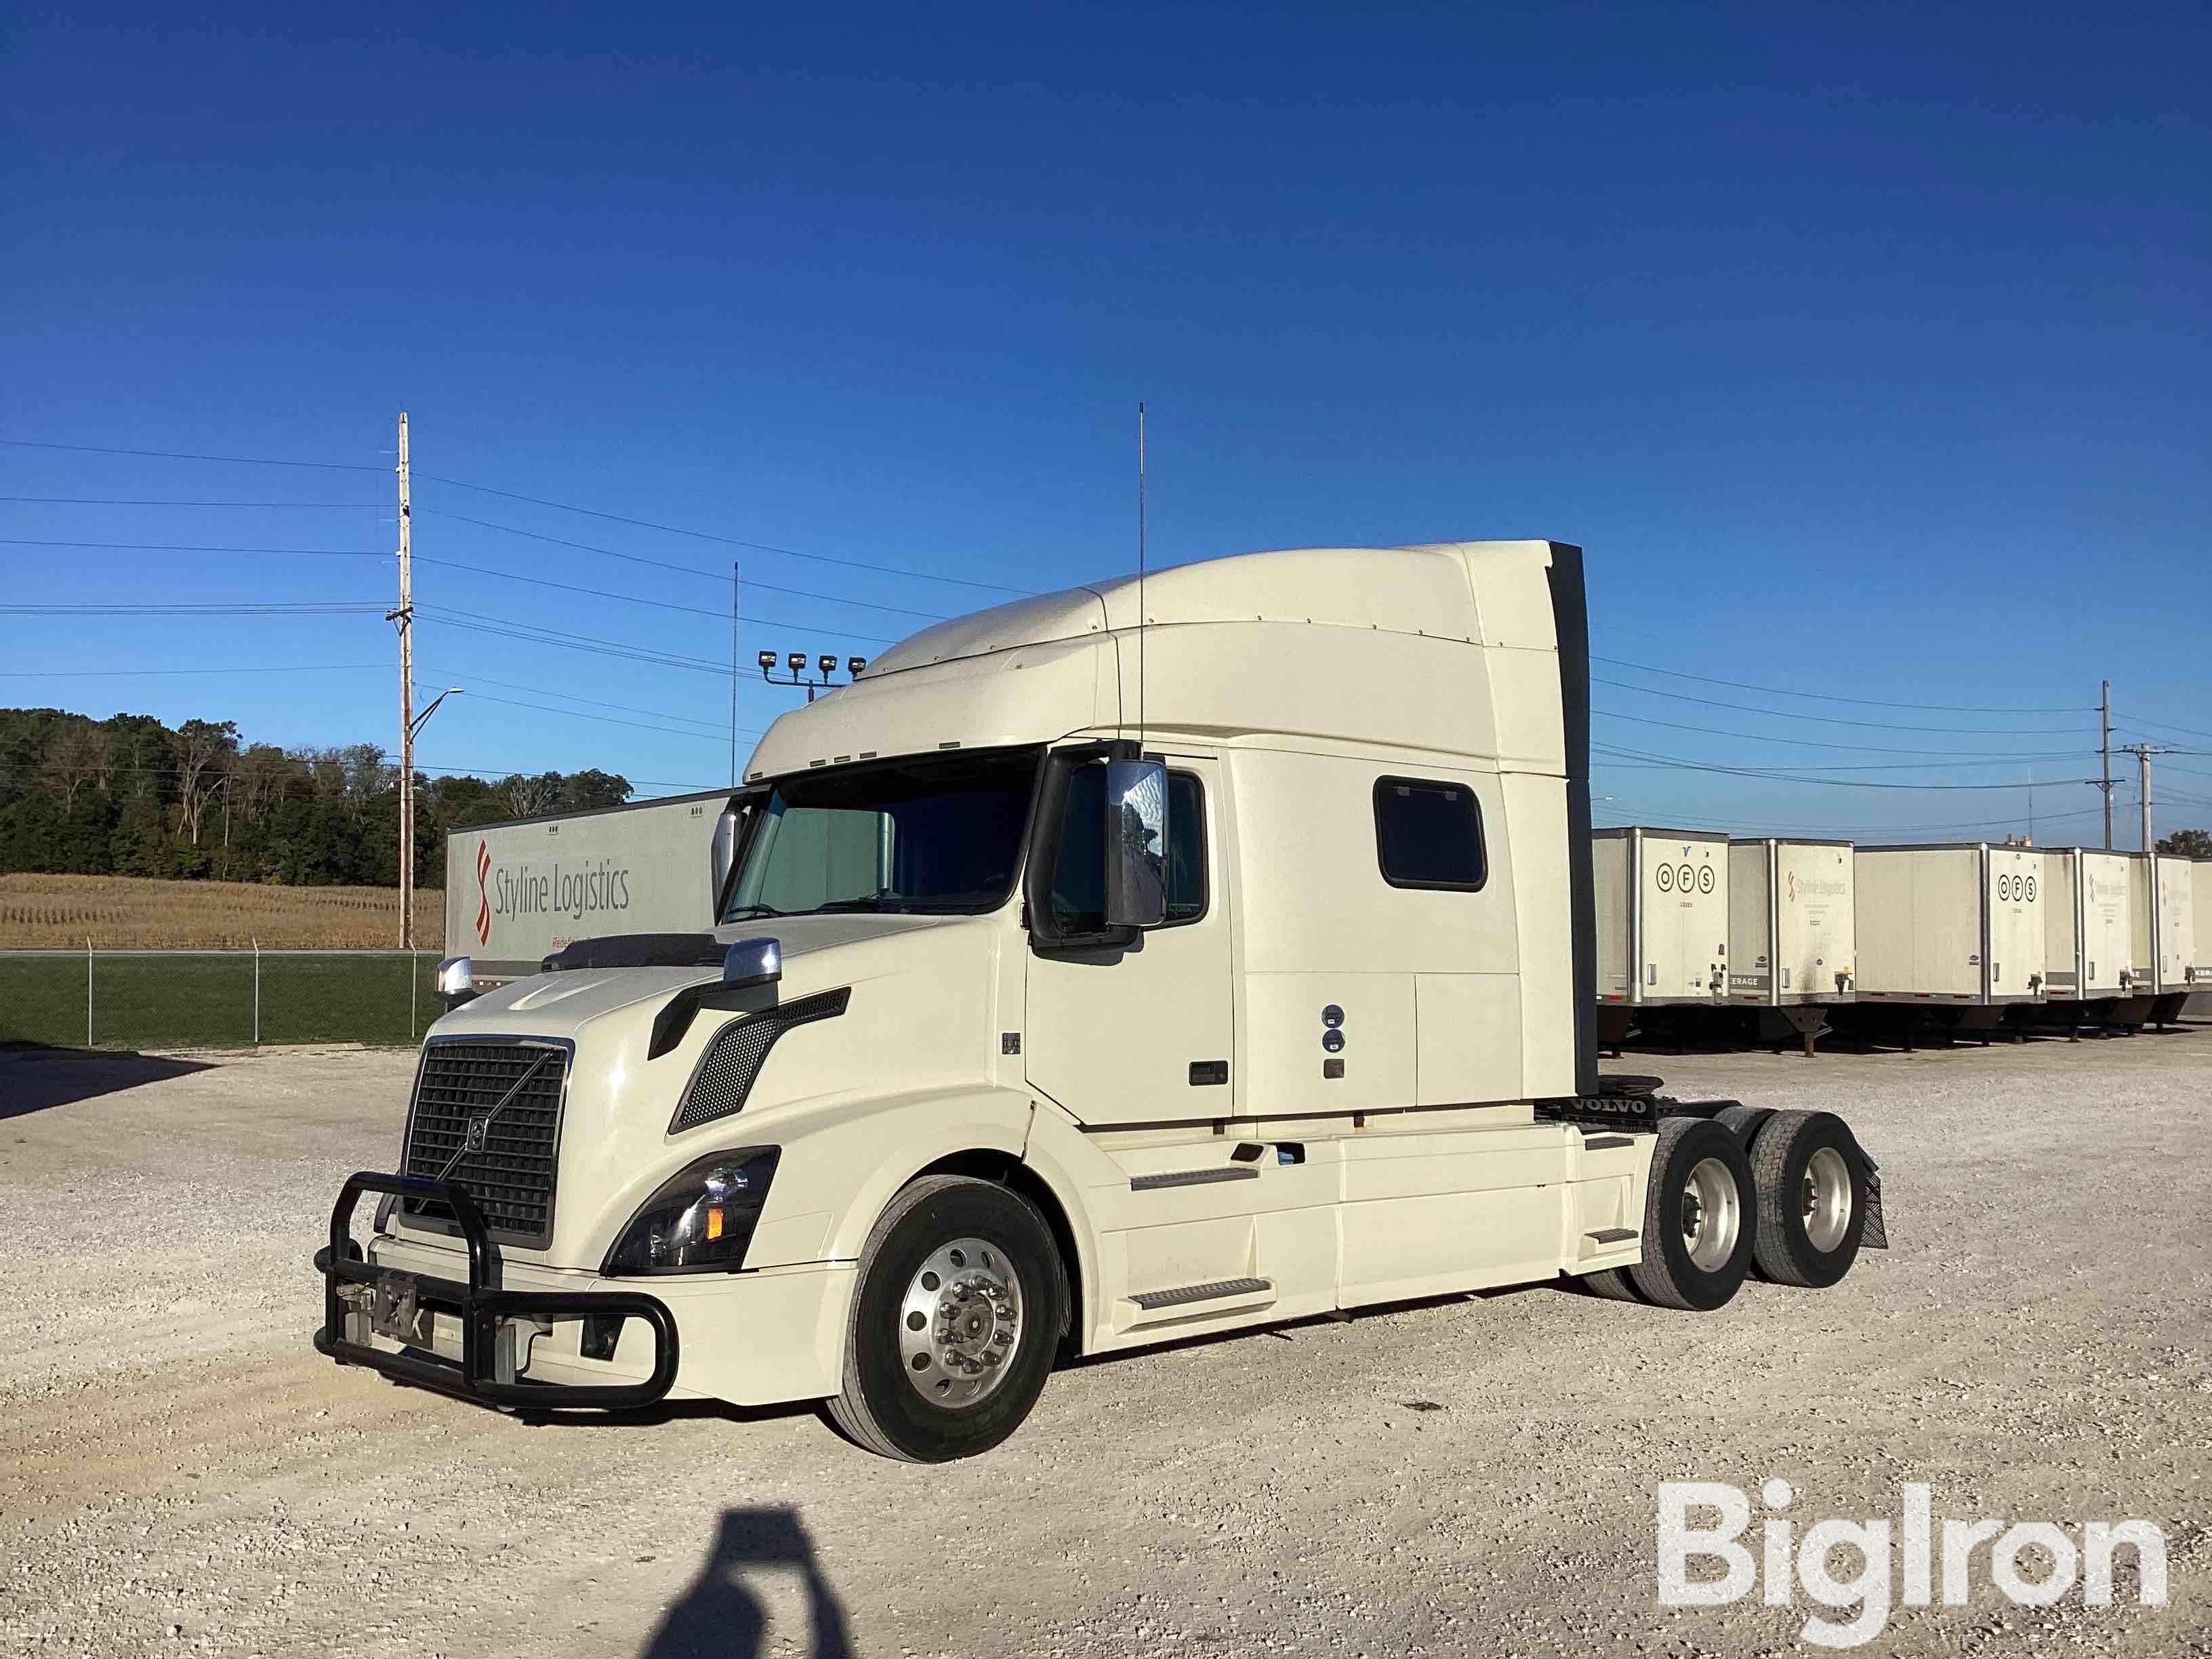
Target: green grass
(188,999)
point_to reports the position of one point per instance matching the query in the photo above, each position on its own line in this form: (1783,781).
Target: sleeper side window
(1428,835)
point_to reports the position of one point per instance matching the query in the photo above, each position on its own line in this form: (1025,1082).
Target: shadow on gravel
(720,1616)
(32,1079)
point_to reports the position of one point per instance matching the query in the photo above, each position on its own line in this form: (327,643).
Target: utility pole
(734,673)
(2143,752)
(2105,743)
(405,617)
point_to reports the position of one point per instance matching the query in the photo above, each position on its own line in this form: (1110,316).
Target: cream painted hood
(921,1016)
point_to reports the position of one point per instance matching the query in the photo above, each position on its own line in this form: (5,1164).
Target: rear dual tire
(1701,1218)
(1813,1199)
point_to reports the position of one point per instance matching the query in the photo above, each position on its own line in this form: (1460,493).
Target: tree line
(130,796)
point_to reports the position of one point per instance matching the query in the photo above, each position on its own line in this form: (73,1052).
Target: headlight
(701,1221)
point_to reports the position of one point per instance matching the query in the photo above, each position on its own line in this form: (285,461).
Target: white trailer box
(517,891)
(2174,964)
(1662,915)
(2200,892)
(1793,934)
(2174,969)
(2088,924)
(1956,923)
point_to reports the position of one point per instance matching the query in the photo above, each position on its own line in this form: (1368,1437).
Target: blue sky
(1863,349)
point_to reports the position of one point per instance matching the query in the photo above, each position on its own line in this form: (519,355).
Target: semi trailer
(1662,924)
(2173,925)
(1950,934)
(2089,941)
(1792,934)
(519,891)
(1163,956)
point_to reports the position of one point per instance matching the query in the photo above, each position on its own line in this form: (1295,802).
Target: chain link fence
(215,998)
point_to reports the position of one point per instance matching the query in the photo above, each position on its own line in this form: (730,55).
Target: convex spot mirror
(1136,843)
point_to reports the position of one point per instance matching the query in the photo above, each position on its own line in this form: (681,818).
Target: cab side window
(1428,835)
(1079,873)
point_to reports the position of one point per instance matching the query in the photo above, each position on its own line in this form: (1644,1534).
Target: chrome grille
(511,1173)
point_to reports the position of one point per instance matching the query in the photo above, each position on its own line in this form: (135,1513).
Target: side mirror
(457,980)
(753,962)
(1136,843)
(724,852)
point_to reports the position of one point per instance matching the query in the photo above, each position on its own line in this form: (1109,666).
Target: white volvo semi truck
(1145,960)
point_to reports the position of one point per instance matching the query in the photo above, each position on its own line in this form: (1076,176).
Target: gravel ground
(179,1473)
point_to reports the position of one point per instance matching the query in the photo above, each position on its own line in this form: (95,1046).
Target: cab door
(1141,1034)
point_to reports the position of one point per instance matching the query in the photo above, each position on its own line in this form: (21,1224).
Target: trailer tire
(1812,1199)
(953,1269)
(1700,1216)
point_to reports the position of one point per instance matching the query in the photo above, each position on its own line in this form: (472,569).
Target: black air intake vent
(733,1059)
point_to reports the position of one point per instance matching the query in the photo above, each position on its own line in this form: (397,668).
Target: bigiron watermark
(1704,1522)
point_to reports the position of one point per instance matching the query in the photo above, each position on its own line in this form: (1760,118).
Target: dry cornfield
(138,913)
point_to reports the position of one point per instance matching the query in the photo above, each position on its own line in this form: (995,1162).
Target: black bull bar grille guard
(486,1368)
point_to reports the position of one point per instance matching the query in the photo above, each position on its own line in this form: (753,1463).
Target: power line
(1675,762)
(2137,719)
(172,455)
(1814,743)
(1822,697)
(567,696)
(305,609)
(1836,720)
(566,587)
(724,541)
(797,593)
(109,501)
(173,547)
(576,642)
(1666,817)
(1902,766)
(616,647)
(134,674)
(717,736)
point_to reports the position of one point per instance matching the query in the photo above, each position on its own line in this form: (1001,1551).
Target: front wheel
(960,1303)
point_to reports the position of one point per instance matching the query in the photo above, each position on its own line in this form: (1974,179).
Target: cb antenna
(1140,579)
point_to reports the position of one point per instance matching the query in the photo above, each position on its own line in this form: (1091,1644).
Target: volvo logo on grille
(472,1138)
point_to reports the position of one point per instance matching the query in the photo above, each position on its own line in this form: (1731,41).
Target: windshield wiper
(742,911)
(886,903)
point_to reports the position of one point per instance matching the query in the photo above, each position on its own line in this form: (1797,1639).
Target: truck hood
(557,1005)
(919,1017)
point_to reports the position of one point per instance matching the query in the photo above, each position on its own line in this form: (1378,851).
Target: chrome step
(1145,1183)
(1151,1301)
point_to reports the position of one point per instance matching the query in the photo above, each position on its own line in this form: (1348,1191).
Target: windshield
(942,834)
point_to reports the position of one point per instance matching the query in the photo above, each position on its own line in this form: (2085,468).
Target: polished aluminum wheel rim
(1712,1214)
(960,1325)
(1827,1198)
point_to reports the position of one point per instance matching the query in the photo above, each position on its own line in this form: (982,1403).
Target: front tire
(958,1307)
(1701,1218)
(1812,1199)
